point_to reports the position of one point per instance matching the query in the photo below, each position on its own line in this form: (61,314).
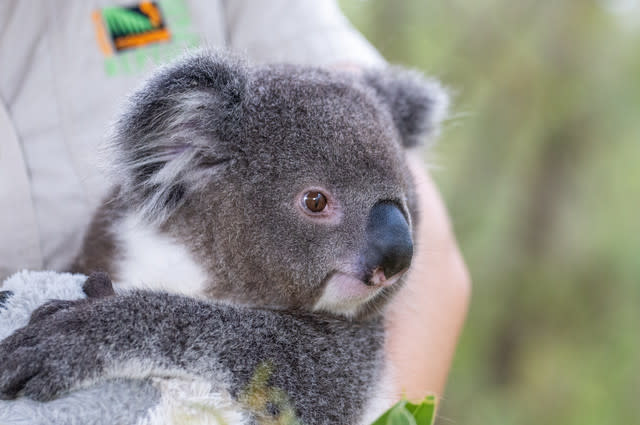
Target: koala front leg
(91,340)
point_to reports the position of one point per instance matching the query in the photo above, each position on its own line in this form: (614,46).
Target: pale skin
(426,317)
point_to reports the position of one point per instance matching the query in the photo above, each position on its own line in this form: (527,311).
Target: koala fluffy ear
(167,141)
(417,104)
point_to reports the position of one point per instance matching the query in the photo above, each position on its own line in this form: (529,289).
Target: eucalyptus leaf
(400,416)
(406,413)
(423,413)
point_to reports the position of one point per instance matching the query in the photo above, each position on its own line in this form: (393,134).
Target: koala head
(287,184)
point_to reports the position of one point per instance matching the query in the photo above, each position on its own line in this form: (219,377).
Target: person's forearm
(426,317)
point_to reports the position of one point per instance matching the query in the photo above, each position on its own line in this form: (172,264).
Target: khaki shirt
(63,80)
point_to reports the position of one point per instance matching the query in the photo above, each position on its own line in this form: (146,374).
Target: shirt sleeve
(313,32)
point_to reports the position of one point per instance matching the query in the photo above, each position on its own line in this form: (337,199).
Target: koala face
(288,185)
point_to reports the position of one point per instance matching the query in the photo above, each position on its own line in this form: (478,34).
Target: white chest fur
(155,261)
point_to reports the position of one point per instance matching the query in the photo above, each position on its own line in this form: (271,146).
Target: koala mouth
(344,293)
(377,279)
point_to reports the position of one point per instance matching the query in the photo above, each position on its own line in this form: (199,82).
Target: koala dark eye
(314,201)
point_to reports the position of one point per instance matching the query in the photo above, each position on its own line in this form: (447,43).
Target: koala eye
(314,201)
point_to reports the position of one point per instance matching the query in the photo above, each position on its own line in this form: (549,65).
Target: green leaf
(406,413)
(424,413)
(401,416)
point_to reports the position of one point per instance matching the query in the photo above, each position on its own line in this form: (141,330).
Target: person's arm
(426,316)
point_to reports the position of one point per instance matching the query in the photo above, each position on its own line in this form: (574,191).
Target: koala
(261,215)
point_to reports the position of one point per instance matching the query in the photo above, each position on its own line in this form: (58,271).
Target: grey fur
(111,402)
(326,379)
(418,104)
(98,285)
(213,153)
(210,138)
(106,403)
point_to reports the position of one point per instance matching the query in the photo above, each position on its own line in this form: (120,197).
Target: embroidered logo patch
(133,39)
(122,28)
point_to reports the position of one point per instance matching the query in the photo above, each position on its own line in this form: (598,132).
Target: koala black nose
(389,244)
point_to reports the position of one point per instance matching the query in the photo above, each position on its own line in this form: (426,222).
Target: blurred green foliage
(540,167)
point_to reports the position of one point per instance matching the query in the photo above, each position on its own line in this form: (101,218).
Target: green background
(540,167)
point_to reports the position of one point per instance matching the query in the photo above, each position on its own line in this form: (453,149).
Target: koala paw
(29,379)
(41,360)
